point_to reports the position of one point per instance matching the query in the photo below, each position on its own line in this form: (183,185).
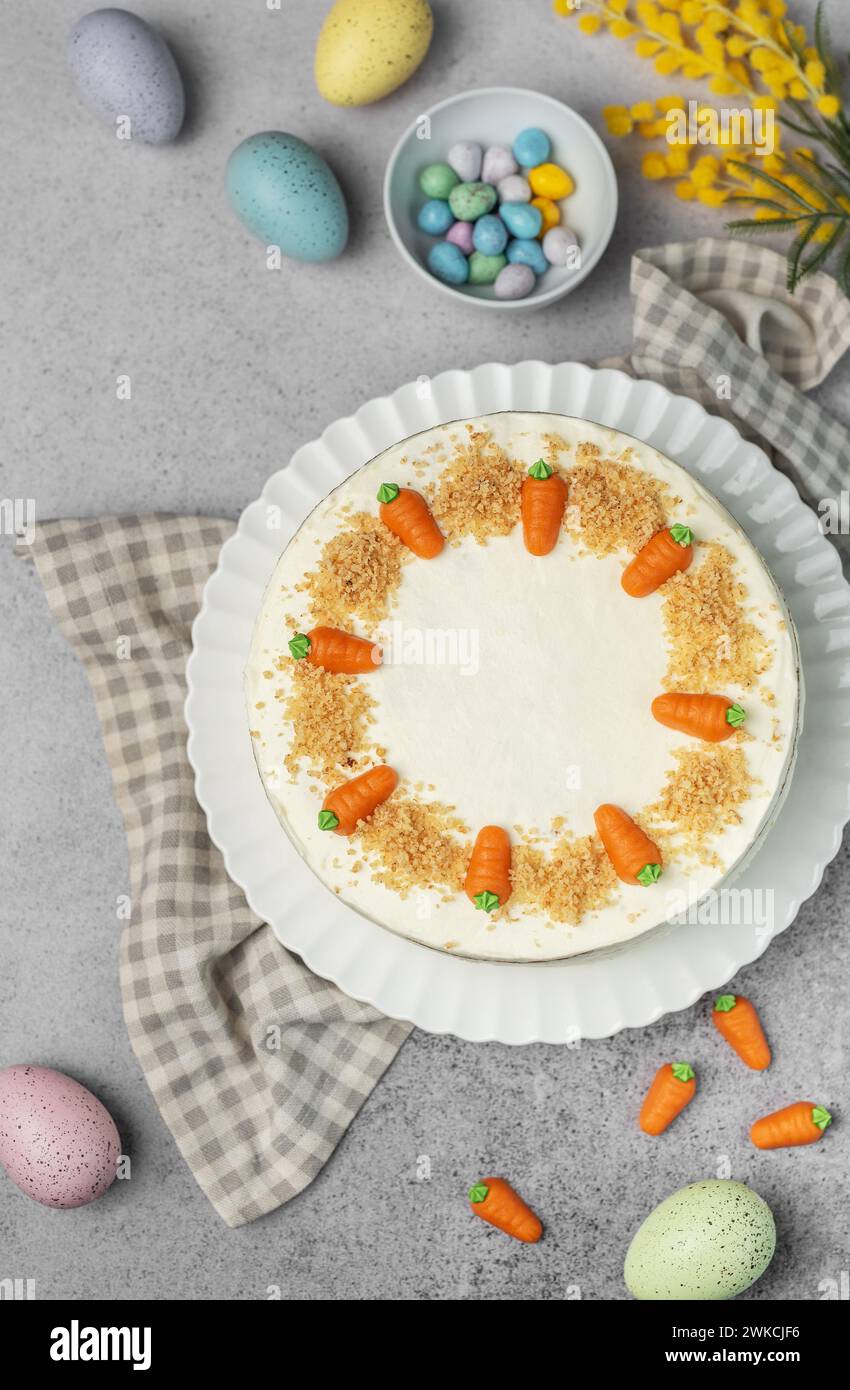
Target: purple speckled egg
(124,69)
(58,1143)
(460,234)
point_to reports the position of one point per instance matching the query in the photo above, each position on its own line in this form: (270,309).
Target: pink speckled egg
(58,1143)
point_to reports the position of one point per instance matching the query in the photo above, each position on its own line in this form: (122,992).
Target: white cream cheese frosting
(519,689)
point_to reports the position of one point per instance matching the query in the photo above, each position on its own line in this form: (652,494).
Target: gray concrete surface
(127,260)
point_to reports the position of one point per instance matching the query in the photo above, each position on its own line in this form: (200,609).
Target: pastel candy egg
(461,234)
(435,217)
(549,211)
(490,235)
(521,219)
(529,252)
(532,147)
(58,1142)
(438,180)
(448,263)
(550,181)
(560,246)
(515,282)
(483,270)
(465,158)
(497,164)
(469,201)
(514,189)
(125,71)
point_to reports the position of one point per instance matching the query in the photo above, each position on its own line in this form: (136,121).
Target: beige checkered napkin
(206,986)
(712,320)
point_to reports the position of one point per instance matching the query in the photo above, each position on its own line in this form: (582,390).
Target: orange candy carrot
(709,717)
(662,556)
(673,1088)
(544,497)
(488,878)
(354,801)
(408,516)
(636,858)
(494,1200)
(335,650)
(737,1021)
(800,1123)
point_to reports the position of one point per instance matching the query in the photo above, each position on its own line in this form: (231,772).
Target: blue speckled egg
(528,251)
(448,263)
(288,196)
(123,68)
(532,147)
(58,1142)
(521,219)
(435,217)
(489,235)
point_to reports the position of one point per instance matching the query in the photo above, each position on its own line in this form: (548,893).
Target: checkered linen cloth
(202,979)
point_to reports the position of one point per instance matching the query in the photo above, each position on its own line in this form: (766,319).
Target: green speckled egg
(438,180)
(484,269)
(708,1241)
(367,48)
(469,201)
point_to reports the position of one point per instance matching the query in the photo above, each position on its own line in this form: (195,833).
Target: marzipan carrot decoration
(800,1123)
(737,1021)
(488,878)
(544,497)
(494,1200)
(354,801)
(335,650)
(709,717)
(673,1088)
(662,557)
(408,516)
(636,858)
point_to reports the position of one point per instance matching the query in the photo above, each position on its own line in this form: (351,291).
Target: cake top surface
(516,689)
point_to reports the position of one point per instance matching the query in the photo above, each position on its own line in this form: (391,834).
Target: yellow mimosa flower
(666,104)
(590,24)
(829,106)
(678,160)
(815,72)
(653,166)
(798,90)
(622,29)
(647,48)
(666,63)
(737,45)
(686,191)
(713,197)
(643,111)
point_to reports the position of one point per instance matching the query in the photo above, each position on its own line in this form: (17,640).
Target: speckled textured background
(127,260)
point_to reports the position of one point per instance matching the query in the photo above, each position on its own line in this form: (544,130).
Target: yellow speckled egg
(550,181)
(549,211)
(367,48)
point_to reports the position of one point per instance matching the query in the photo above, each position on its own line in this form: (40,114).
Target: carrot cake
(520,688)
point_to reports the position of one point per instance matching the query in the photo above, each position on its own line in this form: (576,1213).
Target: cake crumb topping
(358,573)
(711,639)
(479,490)
(575,878)
(613,505)
(700,797)
(330,716)
(415,844)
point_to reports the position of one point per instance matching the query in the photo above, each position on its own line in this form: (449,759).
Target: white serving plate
(557,1001)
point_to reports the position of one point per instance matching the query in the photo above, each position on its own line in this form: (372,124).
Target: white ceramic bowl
(495,116)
